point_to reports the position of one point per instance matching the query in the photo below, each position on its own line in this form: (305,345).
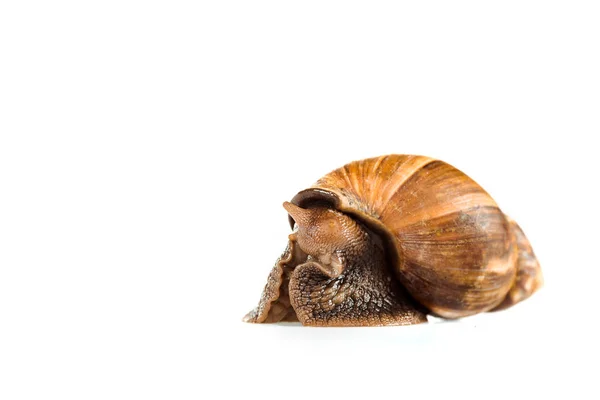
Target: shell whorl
(453,248)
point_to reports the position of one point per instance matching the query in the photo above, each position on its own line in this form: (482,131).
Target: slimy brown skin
(345,280)
(386,240)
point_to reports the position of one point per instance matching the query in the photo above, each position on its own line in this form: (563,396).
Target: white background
(146,148)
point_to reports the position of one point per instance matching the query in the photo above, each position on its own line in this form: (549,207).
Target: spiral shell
(447,240)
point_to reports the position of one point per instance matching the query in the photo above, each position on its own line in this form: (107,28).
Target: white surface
(146,148)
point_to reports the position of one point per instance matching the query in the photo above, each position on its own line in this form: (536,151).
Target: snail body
(388,240)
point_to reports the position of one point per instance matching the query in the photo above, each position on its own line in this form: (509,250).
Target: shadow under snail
(388,240)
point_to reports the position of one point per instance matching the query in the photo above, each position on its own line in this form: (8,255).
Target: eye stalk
(300,215)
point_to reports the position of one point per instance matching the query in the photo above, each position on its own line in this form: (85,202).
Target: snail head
(323,231)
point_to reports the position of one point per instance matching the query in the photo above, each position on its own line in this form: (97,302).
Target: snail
(391,239)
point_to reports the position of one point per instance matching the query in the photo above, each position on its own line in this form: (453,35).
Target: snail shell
(446,240)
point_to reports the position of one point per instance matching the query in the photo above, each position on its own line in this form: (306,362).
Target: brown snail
(387,240)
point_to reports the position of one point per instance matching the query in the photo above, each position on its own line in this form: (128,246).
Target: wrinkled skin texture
(343,282)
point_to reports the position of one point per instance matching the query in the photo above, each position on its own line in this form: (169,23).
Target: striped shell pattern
(448,242)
